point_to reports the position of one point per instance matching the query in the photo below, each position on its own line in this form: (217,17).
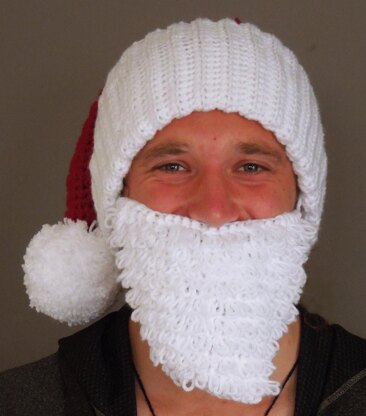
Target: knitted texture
(201,66)
(79,201)
(69,269)
(212,302)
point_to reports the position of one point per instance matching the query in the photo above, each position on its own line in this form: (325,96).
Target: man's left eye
(251,168)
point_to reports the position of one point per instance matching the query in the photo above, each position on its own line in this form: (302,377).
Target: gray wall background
(54,59)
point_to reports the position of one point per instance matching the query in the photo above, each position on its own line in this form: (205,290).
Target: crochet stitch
(197,66)
(79,200)
(212,302)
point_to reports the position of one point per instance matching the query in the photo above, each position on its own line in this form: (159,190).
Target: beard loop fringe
(212,303)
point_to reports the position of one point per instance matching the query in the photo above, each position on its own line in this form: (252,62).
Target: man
(208,179)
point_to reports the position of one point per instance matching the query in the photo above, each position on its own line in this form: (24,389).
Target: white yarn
(212,302)
(201,66)
(69,272)
(197,66)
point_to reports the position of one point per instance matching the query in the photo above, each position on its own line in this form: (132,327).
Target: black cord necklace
(293,368)
(265,414)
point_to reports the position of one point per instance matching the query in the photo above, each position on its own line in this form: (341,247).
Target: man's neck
(168,399)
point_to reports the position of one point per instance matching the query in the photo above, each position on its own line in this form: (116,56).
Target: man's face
(213,167)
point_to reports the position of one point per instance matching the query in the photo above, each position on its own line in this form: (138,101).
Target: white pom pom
(70,273)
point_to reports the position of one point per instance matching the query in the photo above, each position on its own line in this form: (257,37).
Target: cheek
(285,196)
(279,195)
(290,192)
(268,201)
(157,196)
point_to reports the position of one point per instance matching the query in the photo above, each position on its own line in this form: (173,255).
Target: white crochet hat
(197,66)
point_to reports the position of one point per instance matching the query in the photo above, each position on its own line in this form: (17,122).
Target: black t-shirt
(92,373)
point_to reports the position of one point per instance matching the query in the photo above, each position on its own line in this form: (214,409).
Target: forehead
(224,130)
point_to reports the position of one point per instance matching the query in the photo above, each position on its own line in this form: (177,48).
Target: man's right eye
(171,167)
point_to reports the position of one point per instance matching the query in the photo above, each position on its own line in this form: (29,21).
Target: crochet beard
(212,302)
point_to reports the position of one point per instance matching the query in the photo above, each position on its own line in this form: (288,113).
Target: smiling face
(213,167)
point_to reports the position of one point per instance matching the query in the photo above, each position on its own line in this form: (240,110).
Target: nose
(213,203)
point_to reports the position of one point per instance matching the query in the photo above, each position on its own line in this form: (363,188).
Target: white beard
(212,302)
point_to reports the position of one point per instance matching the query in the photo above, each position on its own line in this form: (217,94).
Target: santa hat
(70,271)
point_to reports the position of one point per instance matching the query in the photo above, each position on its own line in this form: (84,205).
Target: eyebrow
(175,148)
(258,149)
(166,149)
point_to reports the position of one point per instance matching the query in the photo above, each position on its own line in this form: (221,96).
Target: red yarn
(79,198)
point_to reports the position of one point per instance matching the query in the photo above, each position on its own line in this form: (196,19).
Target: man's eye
(252,168)
(171,167)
